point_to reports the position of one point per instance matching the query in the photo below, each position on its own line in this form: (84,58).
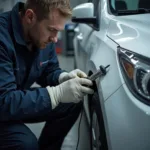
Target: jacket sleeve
(16,104)
(51,73)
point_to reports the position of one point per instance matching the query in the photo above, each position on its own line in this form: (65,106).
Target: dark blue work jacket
(20,68)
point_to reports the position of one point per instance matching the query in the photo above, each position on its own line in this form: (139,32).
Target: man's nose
(53,39)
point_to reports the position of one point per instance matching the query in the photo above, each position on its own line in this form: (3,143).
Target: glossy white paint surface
(83,10)
(127,120)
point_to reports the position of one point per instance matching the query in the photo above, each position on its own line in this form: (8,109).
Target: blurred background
(65,51)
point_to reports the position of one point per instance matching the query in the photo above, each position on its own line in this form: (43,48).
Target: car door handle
(80,37)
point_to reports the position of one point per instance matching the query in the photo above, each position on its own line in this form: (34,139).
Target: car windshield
(127,7)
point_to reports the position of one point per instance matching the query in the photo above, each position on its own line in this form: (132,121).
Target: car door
(84,42)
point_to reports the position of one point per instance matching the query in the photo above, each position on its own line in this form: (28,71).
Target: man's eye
(50,29)
(53,31)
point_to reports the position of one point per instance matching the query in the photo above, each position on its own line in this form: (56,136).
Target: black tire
(97,128)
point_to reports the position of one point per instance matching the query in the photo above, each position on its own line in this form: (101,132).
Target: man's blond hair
(42,8)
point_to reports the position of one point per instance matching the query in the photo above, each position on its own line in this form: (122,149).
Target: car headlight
(136,72)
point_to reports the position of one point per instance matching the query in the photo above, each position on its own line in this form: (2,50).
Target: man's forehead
(56,21)
(56,24)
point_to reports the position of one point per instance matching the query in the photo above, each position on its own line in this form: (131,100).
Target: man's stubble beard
(35,43)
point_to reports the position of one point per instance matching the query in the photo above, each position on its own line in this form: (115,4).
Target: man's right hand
(72,90)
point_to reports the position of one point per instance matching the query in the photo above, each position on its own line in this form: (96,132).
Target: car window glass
(130,4)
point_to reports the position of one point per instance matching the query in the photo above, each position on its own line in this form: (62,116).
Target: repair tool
(100,72)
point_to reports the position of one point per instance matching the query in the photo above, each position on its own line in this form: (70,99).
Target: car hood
(131,32)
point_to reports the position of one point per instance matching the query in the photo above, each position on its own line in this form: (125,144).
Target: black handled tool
(100,72)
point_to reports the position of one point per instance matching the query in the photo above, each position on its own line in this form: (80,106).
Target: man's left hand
(77,73)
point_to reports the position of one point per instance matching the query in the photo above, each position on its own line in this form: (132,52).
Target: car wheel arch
(97,106)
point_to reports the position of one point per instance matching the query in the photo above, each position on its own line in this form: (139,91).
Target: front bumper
(128,121)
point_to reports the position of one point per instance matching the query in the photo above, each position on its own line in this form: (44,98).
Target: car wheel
(97,129)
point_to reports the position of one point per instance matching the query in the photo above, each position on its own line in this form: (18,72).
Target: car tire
(97,129)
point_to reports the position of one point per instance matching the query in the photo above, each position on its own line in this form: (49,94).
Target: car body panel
(88,53)
(131,32)
(104,55)
(126,119)
(130,128)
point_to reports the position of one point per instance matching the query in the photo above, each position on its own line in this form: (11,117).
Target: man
(27,54)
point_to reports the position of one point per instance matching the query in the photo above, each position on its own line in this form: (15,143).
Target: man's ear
(30,16)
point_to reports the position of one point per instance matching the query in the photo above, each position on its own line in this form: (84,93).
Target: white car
(116,32)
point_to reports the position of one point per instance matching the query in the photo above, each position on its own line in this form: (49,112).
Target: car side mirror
(84,13)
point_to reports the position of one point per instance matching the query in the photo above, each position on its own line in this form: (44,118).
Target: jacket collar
(16,24)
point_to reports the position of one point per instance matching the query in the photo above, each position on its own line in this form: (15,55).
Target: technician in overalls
(27,55)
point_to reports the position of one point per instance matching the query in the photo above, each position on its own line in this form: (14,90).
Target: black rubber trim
(94,105)
(85,20)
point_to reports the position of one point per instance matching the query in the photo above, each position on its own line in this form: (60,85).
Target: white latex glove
(73,74)
(70,91)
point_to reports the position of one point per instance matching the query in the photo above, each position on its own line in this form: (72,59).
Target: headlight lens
(136,72)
